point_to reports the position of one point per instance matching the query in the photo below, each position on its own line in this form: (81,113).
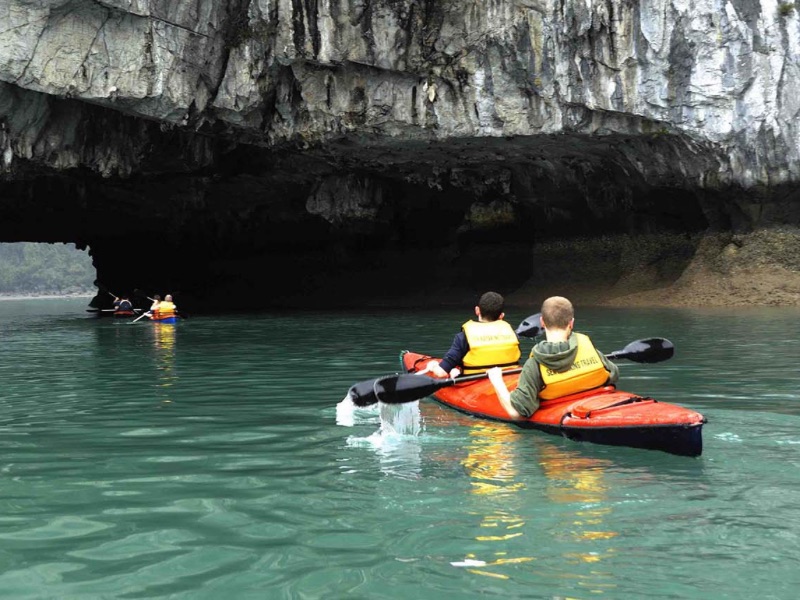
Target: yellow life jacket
(491,344)
(587,372)
(165,309)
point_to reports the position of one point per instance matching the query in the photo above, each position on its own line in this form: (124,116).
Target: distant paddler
(163,311)
(123,306)
(155,306)
(166,308)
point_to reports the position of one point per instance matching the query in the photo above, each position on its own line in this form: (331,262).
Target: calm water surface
(208,460)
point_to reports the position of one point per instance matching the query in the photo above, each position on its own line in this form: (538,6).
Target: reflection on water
(574,481)
(580,483)
(490,463)
(164,356)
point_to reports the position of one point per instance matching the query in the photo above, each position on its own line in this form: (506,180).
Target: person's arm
(612,367)
(452,359)
(501,389)
(523,401)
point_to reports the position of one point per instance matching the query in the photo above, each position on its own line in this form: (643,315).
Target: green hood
(556,355)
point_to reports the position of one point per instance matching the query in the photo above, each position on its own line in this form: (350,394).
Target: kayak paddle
(398,389)
(651,350)
(641,351)
(103,288)
(142,316)
(530,327)
(138,292)
(402,388)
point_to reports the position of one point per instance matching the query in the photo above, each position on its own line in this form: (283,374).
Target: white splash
(400,419)
(395,419)
(348,414)
(396,442)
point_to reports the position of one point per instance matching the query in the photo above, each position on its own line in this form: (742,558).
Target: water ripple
(216,459)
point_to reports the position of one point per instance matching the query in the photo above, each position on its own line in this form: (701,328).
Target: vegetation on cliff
(28,268)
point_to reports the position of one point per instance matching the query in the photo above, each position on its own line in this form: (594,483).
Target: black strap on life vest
(472,367)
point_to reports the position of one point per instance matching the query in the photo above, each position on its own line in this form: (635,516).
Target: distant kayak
(603,416)
(166,320)
(112,312)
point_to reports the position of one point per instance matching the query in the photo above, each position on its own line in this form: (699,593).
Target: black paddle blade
(395,389)
(651,350)
(363,393)
(530,327)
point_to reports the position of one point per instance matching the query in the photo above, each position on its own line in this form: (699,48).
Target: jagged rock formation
(254,152)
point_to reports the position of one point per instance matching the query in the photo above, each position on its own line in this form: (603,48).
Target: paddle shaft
(477,376)
(103,288)
(464,378)
(406,387)
(147,314)
(145,295)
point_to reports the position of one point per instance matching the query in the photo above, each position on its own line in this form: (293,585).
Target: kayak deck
(605,415)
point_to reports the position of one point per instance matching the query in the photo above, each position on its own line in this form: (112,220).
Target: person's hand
(455,372)
(495,375)
(433,367)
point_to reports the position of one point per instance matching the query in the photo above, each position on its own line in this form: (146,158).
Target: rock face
(245,153)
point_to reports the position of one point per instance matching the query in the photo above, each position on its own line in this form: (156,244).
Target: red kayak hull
(605,415)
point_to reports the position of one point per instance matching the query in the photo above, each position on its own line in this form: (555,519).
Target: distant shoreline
(4,296)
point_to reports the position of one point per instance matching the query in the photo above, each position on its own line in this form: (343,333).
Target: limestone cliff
(256,152)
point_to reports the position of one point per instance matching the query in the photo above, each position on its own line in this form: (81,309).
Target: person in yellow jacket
(167,308)
(564,363)
(488,342)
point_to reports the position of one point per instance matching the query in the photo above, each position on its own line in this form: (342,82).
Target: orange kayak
(603,416)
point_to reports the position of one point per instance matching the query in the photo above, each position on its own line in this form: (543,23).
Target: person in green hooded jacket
(564,363)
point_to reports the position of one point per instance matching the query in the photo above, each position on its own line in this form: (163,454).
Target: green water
(208,460)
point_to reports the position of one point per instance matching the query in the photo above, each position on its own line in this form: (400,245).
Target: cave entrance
(32,269)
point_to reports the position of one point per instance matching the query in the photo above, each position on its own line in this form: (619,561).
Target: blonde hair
(557,312)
